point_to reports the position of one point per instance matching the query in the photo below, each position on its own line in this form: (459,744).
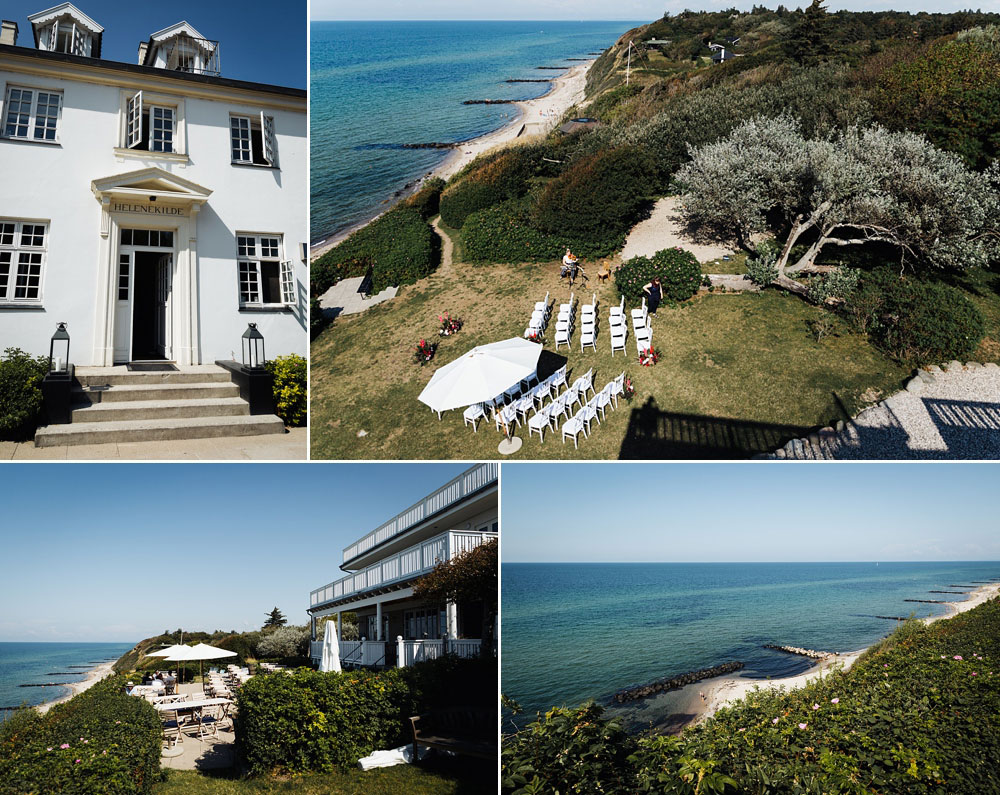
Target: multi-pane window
(22,256)
(252,140)
(123,274)
(150,127)
(31,114)
(263,277)
(154,238)
(419,624)
(161,135)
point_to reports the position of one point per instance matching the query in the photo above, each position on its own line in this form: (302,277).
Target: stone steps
(156,391)
(157,430)
(119,410)
(116,376)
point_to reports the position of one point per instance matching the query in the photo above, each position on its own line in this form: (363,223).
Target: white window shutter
(267,136)
(133,122)
(53,36)
(287,283)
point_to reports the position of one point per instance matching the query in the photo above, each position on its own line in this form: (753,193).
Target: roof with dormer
(43,18)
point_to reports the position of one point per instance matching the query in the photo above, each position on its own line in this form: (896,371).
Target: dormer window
(180,48)
(67,29)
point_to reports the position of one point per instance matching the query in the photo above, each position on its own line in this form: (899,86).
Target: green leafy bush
(399,247)
(679,272)
(291,394)
(20,393)
(598,197)
(763,268)
(317,322)
(506,233)
(499,177)
(426,200)
(840,283)
(285,642)
(915,322)
(101,741)
(318,721)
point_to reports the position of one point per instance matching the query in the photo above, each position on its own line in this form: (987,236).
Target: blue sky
(116,553)
(745,512)
(260,41)
(645,10)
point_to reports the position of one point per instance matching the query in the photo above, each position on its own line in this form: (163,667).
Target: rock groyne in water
(928,601)
(674,682)
(811,653)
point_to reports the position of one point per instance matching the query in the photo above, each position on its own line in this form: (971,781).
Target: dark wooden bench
(461,730)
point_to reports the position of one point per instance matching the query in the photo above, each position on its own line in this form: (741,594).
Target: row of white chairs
(566,322)
(593,409)
(539,318)
(641,327)
(507,411)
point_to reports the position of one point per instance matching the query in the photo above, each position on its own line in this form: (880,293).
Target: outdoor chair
(618,387)
(567,307)
(472,414)
(588,413)
(543,306)
(511,394)
(643,333)
(573,426)
(558,408)
(618,341)
(572,395)
(589,309)
(540,422)
(617,311)
(563,337)
(559,378)
(588,336)
(645,343)
(585,382)
(524,406)
(506,416)
(603,399)
(640,312)
(539,318)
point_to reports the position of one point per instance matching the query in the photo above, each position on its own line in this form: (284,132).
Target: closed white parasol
(330,661)
(481,374)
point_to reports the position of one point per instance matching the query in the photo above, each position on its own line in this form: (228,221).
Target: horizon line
(744,562)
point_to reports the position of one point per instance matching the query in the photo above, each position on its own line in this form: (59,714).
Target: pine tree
(275,619)
(810,39)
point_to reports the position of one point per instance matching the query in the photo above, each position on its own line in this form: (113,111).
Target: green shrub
(318,721)
(916,322)
(607,106)
(506,233)
(499,177)
(679,272)
(840,283)
(763,268)
(285,642)
(426,200)
(113,746)
(399,247)
(598,197)
(317,321)
(291,394)
(20,393)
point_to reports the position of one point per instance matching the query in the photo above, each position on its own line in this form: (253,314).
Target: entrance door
(163,284)
(145,305)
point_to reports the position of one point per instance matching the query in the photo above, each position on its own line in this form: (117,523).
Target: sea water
(375,85)
(35,663)
(576,631)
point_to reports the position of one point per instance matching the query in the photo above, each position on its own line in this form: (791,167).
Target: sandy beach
(94,676)
(532,117)
(670,712)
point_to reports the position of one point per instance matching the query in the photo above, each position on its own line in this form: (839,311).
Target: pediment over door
(149,186)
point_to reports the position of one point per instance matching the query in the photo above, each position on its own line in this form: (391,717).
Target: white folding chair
(585,382)
(558,408)
(644,343)
(640,312)
(572,427)
(540,422)
(563,337)
(567,307)
(618,338)
(617,311)
(559,378)
(572,395)
(474,413)
(543,306)
(588,413)
(506,416)
(564,324)
(643,333)
(589,309)
(602,399)
(524,406)
(588,336)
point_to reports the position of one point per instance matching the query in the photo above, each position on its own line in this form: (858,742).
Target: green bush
(285,642)
(20,393)
(679,272)
(426,200)
(598,197)
(317,322)
(506,233)
(112,746)
(915,322)
(318,721)
(840,283)
(499,177)
(399,247)
(291,394)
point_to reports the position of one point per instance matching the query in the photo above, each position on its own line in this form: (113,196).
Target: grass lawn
(459,777)
(739,373)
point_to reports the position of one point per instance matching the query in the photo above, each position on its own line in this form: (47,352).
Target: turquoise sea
(34,663)
(575,631)
(375,85)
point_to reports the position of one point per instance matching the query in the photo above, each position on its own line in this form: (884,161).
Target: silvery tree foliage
(849,189)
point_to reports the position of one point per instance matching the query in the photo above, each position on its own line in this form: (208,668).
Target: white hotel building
(155,207)
(396,628)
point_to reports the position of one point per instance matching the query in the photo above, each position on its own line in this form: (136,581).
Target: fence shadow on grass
(657,434)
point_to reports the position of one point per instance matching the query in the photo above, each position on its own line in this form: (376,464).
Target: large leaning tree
(469,577)
(857,187)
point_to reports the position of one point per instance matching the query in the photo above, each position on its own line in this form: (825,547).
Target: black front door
(144,307)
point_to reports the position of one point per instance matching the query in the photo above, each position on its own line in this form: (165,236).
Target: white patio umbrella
(166,652)
(199,652)
(330,661)
(480,374)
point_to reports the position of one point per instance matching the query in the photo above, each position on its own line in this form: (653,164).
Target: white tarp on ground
(397,756)
(330,659)
(481,374)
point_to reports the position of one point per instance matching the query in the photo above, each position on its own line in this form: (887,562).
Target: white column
(104,306)
(400,662)
(340,629)
(451,620)
(378,621)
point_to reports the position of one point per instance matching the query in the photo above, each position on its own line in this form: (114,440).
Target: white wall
(53,183)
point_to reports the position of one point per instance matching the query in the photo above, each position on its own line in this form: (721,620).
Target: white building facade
(397,629)
(155,207)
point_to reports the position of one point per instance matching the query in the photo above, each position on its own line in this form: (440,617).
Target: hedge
(599,196)
(399,247)
(426,200)
(918,714)
(311,721)
(679,272)
(20,393)
(291,393)
(501,176)
(506,233)
(101,741)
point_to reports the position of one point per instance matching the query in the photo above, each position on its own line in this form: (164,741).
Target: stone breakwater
(811,653)
(928,601)
(675,682)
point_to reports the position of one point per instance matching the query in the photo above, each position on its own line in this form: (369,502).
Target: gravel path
(661,230)
(942,414)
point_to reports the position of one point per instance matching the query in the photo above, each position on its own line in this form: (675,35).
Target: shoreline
(674,711)
(564,91)
(94,675)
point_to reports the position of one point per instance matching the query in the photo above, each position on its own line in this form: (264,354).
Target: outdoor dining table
(194,707)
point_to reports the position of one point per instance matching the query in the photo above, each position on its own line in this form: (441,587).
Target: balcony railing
(465,484)
(410,562)
(408,652)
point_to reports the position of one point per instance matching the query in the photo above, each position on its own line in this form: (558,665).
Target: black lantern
(59,350)
(253,348)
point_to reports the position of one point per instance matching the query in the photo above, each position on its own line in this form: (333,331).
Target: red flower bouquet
(424,352)
(649,357)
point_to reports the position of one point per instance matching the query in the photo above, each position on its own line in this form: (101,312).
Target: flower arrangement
(536,336)
(449,324)
(424,352)
(628,389)
(649,357)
